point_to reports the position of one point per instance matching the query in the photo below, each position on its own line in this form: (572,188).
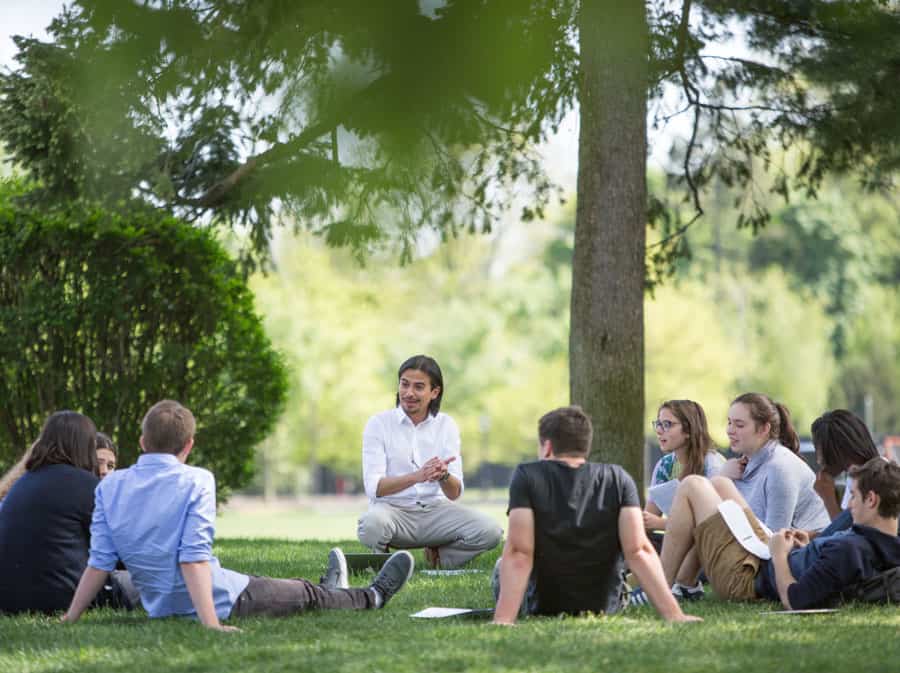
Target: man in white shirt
(412,470)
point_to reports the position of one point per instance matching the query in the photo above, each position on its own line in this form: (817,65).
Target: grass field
(733,637)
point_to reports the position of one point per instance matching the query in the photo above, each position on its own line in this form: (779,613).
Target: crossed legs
(696,500)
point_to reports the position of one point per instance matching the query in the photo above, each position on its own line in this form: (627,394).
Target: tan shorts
(731,569)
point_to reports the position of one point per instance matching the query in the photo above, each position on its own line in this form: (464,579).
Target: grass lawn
(733,637)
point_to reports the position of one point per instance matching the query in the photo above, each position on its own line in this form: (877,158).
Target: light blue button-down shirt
(153,516)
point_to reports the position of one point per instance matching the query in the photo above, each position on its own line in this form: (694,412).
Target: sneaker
(336,575)
(683,593)
(637,597)
(393,575)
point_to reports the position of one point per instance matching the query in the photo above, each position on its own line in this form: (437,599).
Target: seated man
(412,470)
(570,521)
(159,517)
(803,572)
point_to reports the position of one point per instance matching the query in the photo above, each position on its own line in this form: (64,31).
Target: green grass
(733,637)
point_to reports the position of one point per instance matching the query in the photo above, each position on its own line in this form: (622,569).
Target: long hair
(693,421)
(67,438)
(14,473)
(763,410)
(841,439)
(429,366)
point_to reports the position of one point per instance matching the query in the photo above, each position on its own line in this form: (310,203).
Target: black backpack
(883,587)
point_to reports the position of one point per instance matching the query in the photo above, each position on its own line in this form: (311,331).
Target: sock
(679,587)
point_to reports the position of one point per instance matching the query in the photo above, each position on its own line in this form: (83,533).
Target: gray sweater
(778,486)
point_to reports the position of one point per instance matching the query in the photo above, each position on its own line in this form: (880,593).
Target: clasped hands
(787,539)
(435,469)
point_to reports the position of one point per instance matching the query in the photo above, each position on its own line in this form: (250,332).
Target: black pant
(271,597)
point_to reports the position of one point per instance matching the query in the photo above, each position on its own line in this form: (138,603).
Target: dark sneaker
(683,593)
(336,575)
(638,597)
(393,575)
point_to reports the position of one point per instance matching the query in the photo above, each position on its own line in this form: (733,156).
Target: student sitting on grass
(687,448)
(570,521)
(45,520)
(159,517)
(841,440)
(802,573)
(771,477)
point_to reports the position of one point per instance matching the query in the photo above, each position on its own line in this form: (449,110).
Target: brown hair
(67,438)
(105,442)
(882,477)
(167,427)
(569,429)
(693,422)
(763,410)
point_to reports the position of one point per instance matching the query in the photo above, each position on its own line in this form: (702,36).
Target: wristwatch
(445,477)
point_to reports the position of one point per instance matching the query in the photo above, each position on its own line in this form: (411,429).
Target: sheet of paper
(820,611)
(663,495)
(740,527)
(450,573)
(438,613)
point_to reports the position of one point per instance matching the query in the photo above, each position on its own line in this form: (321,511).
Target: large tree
(369,120)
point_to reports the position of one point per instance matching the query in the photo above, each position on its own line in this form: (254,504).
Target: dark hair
(428,366)
(569,429)
(105,442)
(167,427)
(763,410)
(693,422)
(841,439)
(67,438)
(882,477)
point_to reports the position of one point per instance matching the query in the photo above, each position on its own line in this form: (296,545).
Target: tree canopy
(369,121)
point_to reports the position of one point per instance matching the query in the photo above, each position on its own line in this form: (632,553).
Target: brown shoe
(432,557)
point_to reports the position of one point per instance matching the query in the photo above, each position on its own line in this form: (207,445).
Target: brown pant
(731,569)
(271,597)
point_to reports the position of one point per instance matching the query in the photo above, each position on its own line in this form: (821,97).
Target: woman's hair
(693,422)
(67,438)
(14,473)
(841,439)
(763,410)
(105,442)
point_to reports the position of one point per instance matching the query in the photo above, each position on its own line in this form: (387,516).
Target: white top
(393,445)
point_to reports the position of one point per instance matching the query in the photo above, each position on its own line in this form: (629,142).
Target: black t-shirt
(578,563)
(45,536)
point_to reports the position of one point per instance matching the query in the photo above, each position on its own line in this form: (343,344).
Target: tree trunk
(606,342)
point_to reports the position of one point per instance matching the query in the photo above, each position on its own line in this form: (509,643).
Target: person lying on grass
(803,573)
(159,517)
(570,522)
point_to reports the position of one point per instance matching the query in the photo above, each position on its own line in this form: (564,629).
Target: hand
(224,628)
(734,468)
(66,619)
(824,485)
(781,542)
(432,469)
(686,618)
(502,623)
(653,521)
(801,537)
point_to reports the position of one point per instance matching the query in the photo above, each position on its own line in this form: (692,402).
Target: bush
(107,313)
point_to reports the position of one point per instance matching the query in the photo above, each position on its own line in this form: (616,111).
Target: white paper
(437,613)
(819,611)
(740,527)
(663,495)
(450,573)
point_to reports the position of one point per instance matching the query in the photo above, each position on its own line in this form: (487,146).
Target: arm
(515,565)
(653,518)
(780,544)
(198,580)
(91,582)
(824,486)
(374,459)
(644,563)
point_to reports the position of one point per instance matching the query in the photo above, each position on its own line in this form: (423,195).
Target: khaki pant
(459,533)
(731,569)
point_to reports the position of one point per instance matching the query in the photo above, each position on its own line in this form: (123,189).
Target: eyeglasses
(665,426)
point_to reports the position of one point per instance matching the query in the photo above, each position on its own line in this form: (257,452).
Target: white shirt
(393,445)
